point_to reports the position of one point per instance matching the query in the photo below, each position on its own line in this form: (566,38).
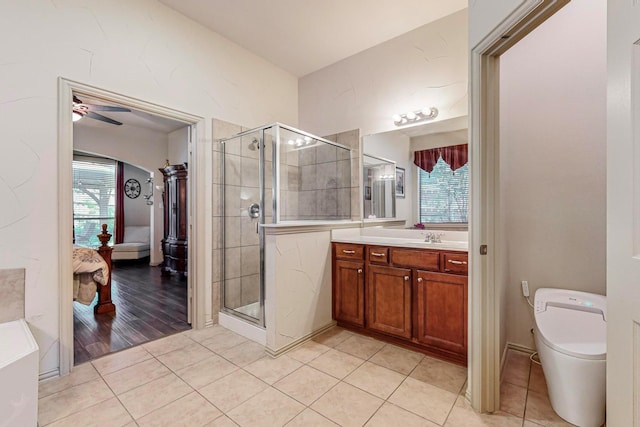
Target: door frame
(484,131)
(198,270)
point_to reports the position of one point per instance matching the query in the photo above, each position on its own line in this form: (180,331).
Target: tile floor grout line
(101,377)
(410,411)
(118,397)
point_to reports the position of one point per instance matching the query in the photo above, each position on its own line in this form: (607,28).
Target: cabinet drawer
(349,251)
(378,254)
(454,262)
(424,260)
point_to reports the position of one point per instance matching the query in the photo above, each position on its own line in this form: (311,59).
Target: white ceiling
(302,36)
(133,118)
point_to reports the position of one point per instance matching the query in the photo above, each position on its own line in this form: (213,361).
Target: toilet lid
(577,333)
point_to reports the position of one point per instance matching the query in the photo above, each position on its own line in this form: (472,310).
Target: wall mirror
(398,146)
(379,192)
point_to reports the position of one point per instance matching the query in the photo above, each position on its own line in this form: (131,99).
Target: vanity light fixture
(427,113)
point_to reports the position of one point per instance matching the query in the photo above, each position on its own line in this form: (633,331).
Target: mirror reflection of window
(443,185)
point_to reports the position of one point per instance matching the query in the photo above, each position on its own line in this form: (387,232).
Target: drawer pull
(378,254)
(452,261)
(419,279)
(359,271)
(406,278)
(344,251)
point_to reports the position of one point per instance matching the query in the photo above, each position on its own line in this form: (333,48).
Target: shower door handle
(254,210)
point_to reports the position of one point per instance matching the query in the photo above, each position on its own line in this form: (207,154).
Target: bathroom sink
(445,244)
(415,243)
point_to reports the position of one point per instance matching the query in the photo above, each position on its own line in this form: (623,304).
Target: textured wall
(553,159)
(143,50)
(424,67)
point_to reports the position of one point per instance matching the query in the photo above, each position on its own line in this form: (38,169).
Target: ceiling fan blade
(107,108)
(102,118)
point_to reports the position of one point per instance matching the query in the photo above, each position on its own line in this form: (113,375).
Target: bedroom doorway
(143,139)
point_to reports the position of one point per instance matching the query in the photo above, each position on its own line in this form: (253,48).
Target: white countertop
(403,242)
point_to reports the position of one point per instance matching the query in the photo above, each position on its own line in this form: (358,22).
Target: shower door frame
(275,214)
(260,321)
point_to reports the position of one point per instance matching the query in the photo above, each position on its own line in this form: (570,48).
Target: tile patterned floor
(214,377)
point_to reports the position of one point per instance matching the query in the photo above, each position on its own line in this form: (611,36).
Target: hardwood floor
(148,306)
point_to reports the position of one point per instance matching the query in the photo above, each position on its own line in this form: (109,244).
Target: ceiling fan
(80,110)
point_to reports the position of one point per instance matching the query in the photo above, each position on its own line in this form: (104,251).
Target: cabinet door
(348,292)
(389,300)
(442,311)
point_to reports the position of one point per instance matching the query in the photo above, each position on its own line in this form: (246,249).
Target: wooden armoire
(176,223)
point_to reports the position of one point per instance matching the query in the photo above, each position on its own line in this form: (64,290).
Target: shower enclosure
(273,175)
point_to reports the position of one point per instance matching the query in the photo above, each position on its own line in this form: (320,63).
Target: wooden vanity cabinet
(348,284)
(442,311)
(389,300)
(411,297)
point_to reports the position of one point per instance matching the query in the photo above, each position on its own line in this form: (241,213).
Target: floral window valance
(455,156)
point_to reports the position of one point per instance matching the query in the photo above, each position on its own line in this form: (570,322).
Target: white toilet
(571,338)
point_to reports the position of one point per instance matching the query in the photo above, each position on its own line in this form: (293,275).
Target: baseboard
(244,328)
(515,347)
(299,341)
(53,373)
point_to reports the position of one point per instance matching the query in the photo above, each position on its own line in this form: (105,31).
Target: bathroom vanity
(403,291)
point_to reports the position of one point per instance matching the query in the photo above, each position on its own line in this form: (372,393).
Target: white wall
(136,211)
(178,151)
(137,146)
(395,146)
(425,67)
(435,140)
(552,146)
(142,49)
(485,15)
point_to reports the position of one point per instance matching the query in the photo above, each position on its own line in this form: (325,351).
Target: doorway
(485,322)
(194,288)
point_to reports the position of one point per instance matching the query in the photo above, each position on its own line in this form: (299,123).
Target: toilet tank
(18,375)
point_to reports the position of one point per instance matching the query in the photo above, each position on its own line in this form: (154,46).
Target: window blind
(94,197)
(443,194)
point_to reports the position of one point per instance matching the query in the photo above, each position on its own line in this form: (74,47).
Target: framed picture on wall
(399,183)
(367,192)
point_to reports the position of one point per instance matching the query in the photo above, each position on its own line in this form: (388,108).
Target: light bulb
(396,118)
(411,115)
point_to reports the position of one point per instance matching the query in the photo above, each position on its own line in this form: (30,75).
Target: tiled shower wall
(317,185)
(351,139)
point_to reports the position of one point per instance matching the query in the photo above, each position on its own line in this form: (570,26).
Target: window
(94,198)
(443,194)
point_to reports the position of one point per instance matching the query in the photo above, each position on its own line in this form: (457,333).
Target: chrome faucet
(432,237)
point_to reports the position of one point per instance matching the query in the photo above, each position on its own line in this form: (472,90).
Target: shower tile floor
(214,377)
(251,310)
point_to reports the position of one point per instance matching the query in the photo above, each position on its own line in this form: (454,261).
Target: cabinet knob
(419,279)
(344,251)
(359,271)
(406,278)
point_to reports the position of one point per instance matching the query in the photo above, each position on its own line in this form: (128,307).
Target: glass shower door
(243,187)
